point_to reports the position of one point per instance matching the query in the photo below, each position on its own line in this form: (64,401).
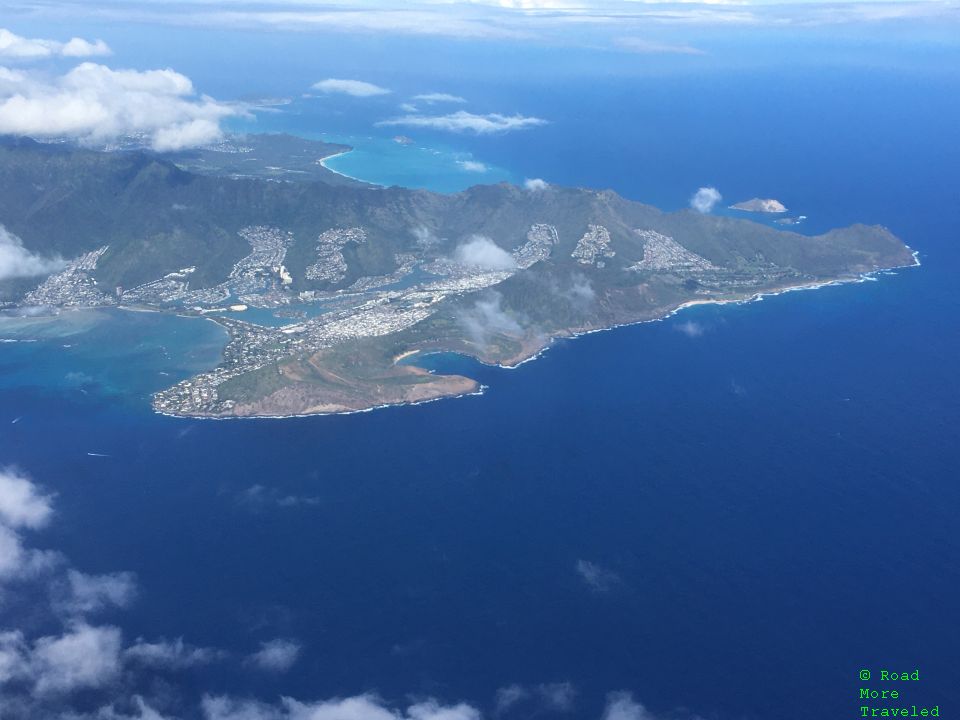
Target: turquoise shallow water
(428,162)
(105,352)
(383,161)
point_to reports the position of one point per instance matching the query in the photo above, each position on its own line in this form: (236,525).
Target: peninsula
(331,291)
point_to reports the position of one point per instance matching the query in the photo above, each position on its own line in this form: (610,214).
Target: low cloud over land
(17,261)
(705,199)
(482,252)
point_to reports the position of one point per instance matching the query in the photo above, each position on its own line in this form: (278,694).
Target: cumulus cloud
(17,261)
(535,184)
(78,47)
(690,328)
(275,655)
(354,88)
(21,504)
(597,578)
(463,121)
(472,166)
(359,707)
(481,252)
(487,318)
(21,48)
(705,199)
(83,657)
(95,104)
(437,97)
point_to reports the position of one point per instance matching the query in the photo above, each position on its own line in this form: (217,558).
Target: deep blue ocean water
(772,504)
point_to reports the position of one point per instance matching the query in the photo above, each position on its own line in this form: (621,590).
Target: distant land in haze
(330,288)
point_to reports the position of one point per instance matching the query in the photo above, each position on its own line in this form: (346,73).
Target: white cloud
(355,88)
(622,706)
(169,655)
(17,261)
(359,707)
(432,710)
(91,593)
(141,708)
(535,184)
(78,47)
(276,655)
(83,657)
(597,578)
(21,505)
(472,166)
(690,328)
(95,104)
(13,656)
(437,97)
(408,107)
(463,121)
(705,199)
(21,48)
(481,252)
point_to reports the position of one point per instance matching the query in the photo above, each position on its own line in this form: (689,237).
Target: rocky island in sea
(760,205)
(324,286)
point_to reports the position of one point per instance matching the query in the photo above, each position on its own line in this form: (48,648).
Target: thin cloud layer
(276,655)
(467,122)
(690,328)
(94,104)
(354,88)
(597,578)
(21,48)
(170,655)
(487,318)
(648,47)
(437,97)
